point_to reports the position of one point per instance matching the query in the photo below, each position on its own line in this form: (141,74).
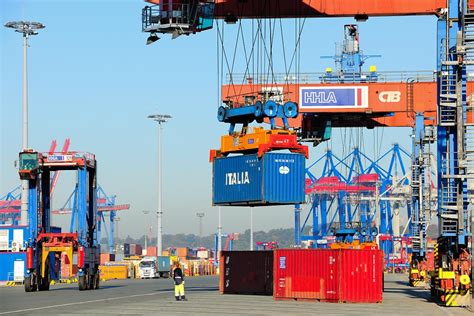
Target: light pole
(219,236)
(200,216)
(117,220)
(27,29)
(251,228)
(160,119)
(146,230)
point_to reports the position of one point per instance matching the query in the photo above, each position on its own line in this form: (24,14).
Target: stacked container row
(132,249)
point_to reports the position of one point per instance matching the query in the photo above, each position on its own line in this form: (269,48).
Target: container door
(19,270)
(361,276)
(284,178)
(306,274)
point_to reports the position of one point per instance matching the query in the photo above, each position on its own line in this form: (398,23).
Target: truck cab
(148,268)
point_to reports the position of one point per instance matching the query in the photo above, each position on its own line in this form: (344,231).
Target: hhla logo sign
(233,178)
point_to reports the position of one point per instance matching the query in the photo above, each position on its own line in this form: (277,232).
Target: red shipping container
(306,274)
(138,250)
(430,260)
(361,276)
(344,275)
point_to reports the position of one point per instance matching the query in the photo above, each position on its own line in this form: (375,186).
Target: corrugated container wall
(246,272)
(306,274)
(346,275)
(12,266)
(276,178)
(361,276)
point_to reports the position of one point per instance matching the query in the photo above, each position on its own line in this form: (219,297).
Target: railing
(317,77)
(165,14)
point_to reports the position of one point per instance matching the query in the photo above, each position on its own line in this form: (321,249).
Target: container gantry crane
(45,243)
(105,204)
(351,200)
(10,203)
(455,21)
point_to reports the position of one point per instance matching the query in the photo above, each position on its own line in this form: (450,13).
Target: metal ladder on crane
(421,190)
(415,185)
(447,117)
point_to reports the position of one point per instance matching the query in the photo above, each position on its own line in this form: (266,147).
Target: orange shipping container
(106,257)
(182,252)
(151,251)
(113,272)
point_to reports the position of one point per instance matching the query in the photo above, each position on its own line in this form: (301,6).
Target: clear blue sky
(93,79)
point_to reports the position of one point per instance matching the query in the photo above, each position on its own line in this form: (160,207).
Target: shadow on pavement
(75,288)
(193,289)
(413,292)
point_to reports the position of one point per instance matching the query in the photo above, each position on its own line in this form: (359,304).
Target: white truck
(148,268)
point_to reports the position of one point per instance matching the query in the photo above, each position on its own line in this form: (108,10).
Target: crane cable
(263,52)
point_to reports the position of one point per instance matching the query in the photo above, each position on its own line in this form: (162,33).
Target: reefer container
(343,275)
(275,178)
(246,272)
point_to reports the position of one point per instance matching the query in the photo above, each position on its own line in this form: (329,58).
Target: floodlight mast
(27,29)
(160,119)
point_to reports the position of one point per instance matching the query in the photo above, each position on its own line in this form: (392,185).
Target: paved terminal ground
(151,297)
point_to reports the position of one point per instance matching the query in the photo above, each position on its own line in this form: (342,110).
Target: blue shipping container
(8,234)
(9,269)
(163,264)
(276,178)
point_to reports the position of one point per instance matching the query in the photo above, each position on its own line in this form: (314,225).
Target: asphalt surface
(151,297)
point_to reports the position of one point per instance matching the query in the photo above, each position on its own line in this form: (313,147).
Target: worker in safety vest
(178,277)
